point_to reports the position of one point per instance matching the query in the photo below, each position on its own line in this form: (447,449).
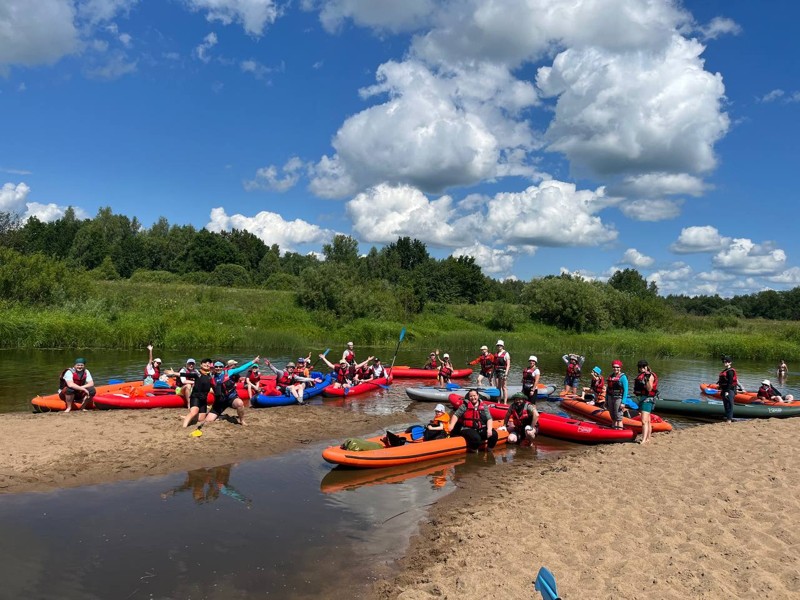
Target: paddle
(115,381)
(402,335)
(316,361)
(545,584)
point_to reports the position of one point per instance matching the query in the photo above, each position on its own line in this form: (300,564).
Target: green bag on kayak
(360,445)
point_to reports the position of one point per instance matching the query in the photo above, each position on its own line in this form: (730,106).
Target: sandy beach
(708,512)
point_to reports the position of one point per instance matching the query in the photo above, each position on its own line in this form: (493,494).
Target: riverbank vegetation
(107,282)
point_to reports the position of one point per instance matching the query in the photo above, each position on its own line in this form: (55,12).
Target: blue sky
(538,136)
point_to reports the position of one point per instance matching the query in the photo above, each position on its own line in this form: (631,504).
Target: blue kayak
(265,401)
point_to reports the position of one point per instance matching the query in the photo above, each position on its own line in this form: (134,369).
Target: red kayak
(149,400)
(410,372)
(562,428)
(355,390)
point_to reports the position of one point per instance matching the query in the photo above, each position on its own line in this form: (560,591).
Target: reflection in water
(439,472)
(207,484)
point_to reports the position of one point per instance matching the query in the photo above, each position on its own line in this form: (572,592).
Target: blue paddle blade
(491,391)
(545,584)
(630,403)
(326,352)
(115,381)
(402,333)
(417,431)
(452,386)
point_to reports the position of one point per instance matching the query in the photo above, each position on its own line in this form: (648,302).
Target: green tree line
(52,263)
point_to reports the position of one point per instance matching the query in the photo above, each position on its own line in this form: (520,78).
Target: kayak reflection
(439,472)
(207,484)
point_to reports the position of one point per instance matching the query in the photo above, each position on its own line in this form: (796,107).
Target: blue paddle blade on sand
(545,584)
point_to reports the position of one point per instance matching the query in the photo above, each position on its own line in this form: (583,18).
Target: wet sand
(706,512)
(47,451)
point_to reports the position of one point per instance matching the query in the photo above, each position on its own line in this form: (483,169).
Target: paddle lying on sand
(545,584)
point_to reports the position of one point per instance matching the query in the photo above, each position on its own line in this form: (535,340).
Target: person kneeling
(521,420)
(473,422)
(226,397)
(439,426)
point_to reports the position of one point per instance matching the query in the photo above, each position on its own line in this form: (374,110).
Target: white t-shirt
(70,376)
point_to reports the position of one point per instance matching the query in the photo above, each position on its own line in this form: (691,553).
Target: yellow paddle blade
(196,433)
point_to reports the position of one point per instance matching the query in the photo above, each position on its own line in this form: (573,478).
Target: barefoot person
(530,379)
(728,383)
(768,392)
(572,377)
(76,385)
(252,383)
(184,384)
(198,399)
(227,396)
(616,392)
(521,419)
(486,361)
(645,388)
(502,363)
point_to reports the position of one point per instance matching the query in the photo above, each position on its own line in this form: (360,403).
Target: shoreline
(706,512)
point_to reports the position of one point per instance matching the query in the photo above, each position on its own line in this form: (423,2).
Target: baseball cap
(80,361)
(157,360)
(190,361)
(349,343)
(439,408)
(233,363)
(616,363)
(376,359)
(445,355)
(301,360)
(218,364)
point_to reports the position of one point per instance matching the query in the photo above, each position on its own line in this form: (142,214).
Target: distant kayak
(710,408)
(602,416)
(711,389)
(410,372)
(354,390)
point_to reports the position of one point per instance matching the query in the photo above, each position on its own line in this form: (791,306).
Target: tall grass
(130,314)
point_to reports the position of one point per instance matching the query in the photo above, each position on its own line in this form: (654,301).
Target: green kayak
(713,409)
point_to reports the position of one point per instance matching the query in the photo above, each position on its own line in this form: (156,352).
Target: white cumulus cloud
(719,26)
(271,228)
(492,261)
(636,259)
(271,178)
(253,15)
(745,257)
(202,50)
(12,197)
(33,33)
(699,239)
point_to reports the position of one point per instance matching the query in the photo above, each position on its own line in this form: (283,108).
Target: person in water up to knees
(521,419)
(572,377)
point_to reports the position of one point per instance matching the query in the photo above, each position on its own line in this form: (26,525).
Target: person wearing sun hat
(342,373)
(439,426)
(728,382)
(445,370)
(152,371)
(502,363)
(596,392)
(486,361)
(530,379)
(76,385)
(769,393)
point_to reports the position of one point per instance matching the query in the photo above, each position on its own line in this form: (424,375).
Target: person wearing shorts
(616,392)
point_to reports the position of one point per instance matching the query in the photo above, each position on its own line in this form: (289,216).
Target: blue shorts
(571,381)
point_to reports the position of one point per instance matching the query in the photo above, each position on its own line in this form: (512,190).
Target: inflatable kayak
(361,388)
(52,403)
(711,389)
(563,428)
(441,394)
(272,396)
(410,372)
(602,416)
(147,400)
(410,452)
(710,408)
(340,479)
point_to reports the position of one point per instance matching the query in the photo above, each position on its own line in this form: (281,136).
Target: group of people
(348,373)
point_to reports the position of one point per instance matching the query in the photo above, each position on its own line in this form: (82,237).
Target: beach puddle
(283,527)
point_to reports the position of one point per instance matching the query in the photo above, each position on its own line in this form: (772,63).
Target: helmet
(616,363)
(533,358)
(500,343)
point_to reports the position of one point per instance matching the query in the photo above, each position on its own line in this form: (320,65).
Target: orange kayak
(349,479)
(711,389)
(52,403)
(410,452)
(601,415)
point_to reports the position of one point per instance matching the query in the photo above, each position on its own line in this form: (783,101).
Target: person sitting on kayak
(289,382)
(530,379)
(152,371)
(349,355)
(445,370)
(432,363)
(523,418)
(304,366)
(184,384)
(341,373)
(378,370)
(225,397)
(572,378)
(769,393)
(439,426)
(596,392)
(76,385)
(486,361)
(473,422)
(252,383)
(363,371)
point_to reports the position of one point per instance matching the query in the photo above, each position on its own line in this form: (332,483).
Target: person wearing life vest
(728,384)
(152,370)
(75,384)
(252,383)
(572,378)
(227,396)
(362,371)
(769,393)
(303,367)
(521,420)
(530,379)
(204,383)
(486,361)
(645,388)
(184,384)
(432,363)
(473,422)
(502,364)
(290,383)
(445,370)
(616,392)
(349,355)
(439,426)
(596,392)
(378,369)
(342,377)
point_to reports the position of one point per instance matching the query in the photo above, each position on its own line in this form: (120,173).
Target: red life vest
(472,417)
(364,372)
(500,360)
(597,385)
(614,387)
(432,364)
(286,379)
(78,379)
(253,377)
(445,372)
(640,385)
(519,415)
(765,392)
(529,376)
(350,356)
(722,382)
(340,374)
(573,369)
(156,372)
